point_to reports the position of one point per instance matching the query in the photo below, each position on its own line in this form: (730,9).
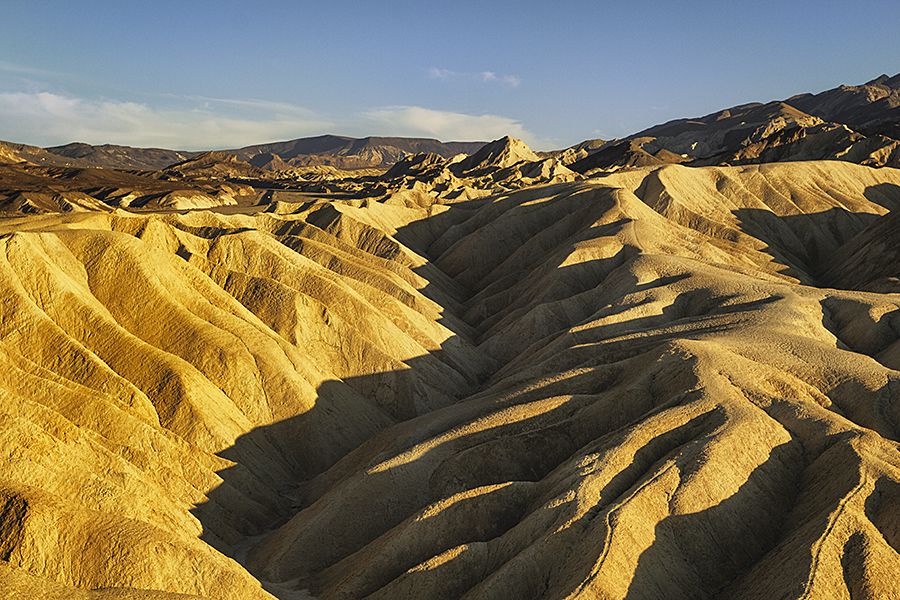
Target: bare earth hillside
(859,124)
(488,377)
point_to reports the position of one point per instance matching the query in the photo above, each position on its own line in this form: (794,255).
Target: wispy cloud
(14,68)
(510,80)
(442,74)
(484,77)
(253,104)
(48,119)
(446,126)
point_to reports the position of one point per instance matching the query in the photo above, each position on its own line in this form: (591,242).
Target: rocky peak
(502,153)
(415,163)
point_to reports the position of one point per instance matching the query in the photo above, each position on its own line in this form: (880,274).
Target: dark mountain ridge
(338,151)
(855,123)
(348,153)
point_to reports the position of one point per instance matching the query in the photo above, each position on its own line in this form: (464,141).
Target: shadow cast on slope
(280,469)
(886,195)
(693,314)
(273,463)
(803,243)
(438,234)
(698,554)
(243,510)
(570,287)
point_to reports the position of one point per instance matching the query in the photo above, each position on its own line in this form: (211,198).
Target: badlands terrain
(660,367)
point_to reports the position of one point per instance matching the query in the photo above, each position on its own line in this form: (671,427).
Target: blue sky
(197,75)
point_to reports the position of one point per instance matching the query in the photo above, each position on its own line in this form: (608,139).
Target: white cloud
(484,76)
(414,121)
(442,74)
(48,119)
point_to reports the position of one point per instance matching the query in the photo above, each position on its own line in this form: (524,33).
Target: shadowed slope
(624,387)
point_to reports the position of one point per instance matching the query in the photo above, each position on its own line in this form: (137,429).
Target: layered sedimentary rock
(666,382)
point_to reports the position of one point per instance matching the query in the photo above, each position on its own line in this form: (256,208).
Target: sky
(197,75)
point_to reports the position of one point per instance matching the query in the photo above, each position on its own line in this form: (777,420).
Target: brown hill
(349,153)
(336,151)
(827,141)
(215,164)
(624,387)
(109,156)
(269,161)
(322,144)
(858,124)
(11,153)
(871,108)
(423,180)
(576,152)
(629,153)
(726,129)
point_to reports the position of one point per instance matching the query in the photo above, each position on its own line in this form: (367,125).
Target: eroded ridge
(634,386)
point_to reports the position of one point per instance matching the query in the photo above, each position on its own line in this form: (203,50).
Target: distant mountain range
(332,150)
(348,153)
